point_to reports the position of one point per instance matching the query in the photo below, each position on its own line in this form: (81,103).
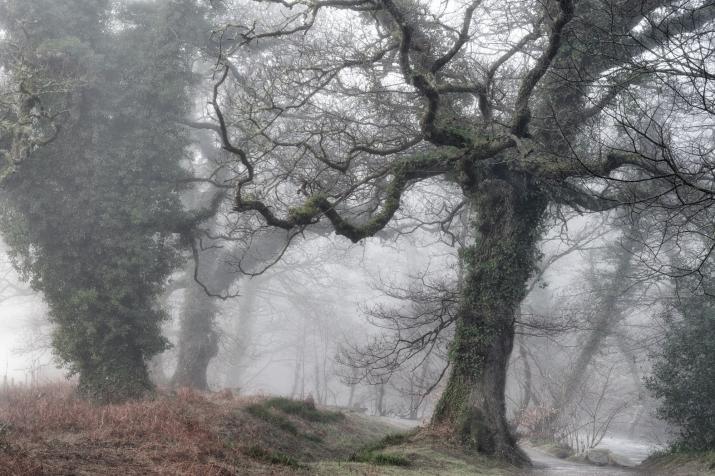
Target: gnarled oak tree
(335,109)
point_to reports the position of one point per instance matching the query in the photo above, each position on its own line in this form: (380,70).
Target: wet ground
(631,451)
(547,465)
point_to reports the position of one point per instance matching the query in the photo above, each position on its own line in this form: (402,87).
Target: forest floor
(47,431)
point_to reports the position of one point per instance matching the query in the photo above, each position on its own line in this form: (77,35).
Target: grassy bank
(681,463)
(47,431)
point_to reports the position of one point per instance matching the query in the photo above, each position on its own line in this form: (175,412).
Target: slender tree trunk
(351,396)
(198,341)
(243,330)
(380,400)
(608,317)
(527,383)
(296,378)
(317,384)
(416,392)
(353,387)
(631,358)
(497,267)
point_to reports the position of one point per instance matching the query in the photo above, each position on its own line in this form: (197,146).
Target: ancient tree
(337,112)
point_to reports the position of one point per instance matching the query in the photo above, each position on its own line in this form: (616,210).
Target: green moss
(497,266)
(381,459)
(373,453)
(305,213)
(272,457)
(303,410)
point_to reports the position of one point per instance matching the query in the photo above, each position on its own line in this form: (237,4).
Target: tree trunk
(380,400)
(497,267)
(609,315)
(351,396)
(198,341)
(529,394)
(243,329)
(115,378)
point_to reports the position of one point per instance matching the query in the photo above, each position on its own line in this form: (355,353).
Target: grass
(378,458)
(373,453)
(259,410)
(47,430)
(427,457)
(268,412)
(262,454)
(48,426)
(678,461)
(303,410)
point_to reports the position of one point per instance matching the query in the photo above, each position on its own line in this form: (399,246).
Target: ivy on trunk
(507,225)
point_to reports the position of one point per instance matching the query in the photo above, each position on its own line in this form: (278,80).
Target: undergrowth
(303,410)
(268,411)
(272,457)
(48,430)
(373,453)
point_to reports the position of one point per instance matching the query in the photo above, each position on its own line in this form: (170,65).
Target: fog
(488,223)
(283,332)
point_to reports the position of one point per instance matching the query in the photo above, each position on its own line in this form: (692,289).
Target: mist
(373,237)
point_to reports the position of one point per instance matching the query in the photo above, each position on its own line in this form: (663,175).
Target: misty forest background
(493,217)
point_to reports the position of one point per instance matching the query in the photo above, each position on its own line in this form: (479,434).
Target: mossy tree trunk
(497,267)
(123,376)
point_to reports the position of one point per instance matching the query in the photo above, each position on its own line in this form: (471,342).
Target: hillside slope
(46,431)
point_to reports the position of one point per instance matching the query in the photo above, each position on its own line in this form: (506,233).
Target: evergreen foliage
(684,373)
(91,218)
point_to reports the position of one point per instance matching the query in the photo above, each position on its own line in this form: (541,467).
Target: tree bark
(118,375)
(497,267)
(198,341)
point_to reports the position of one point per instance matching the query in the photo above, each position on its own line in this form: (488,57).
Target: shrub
(684,374)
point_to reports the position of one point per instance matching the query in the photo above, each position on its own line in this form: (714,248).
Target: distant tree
(9,288)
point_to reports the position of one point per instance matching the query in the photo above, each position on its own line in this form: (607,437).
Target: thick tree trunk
(497,267)
(198,341)
(115,378)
